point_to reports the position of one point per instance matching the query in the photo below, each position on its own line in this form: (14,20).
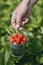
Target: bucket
(17,50)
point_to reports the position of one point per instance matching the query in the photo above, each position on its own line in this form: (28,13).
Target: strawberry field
(33,30)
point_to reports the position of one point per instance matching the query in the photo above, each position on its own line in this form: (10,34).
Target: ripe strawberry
(24,39)
(14,35)
(17,40)
(22,42)
(12,40)
(20,36)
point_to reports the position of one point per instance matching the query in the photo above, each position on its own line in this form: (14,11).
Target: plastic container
(17,50)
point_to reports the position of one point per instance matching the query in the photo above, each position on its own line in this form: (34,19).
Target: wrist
(33,2)
(26,1)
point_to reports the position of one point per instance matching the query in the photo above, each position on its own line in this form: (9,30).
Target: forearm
(31,5)
(31,2)
(26,1)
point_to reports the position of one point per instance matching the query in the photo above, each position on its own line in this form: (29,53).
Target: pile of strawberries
(18,39)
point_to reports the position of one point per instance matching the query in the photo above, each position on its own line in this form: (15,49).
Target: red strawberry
(22,42)
(12,40)
(14,35)
(24,39)
(17,40)
(20,36)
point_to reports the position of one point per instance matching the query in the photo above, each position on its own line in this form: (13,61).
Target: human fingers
(13,17)
(19,19)
(20,28)
(25,22)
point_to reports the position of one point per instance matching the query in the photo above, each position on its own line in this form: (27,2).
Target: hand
(20,15)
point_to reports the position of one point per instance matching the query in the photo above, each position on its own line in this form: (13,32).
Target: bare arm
(31,5)
(21,13)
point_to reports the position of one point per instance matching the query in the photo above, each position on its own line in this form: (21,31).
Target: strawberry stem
(8,31)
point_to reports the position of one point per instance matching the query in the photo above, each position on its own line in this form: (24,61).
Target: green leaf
(40,59)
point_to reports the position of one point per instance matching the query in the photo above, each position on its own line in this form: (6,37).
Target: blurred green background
(34,51)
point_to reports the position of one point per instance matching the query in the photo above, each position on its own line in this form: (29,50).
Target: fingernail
(20,28)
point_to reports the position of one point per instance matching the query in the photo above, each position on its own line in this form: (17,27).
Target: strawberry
(12,40)
(20,36)
(17,40)
(24,39)
(14,35)
(22,42)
